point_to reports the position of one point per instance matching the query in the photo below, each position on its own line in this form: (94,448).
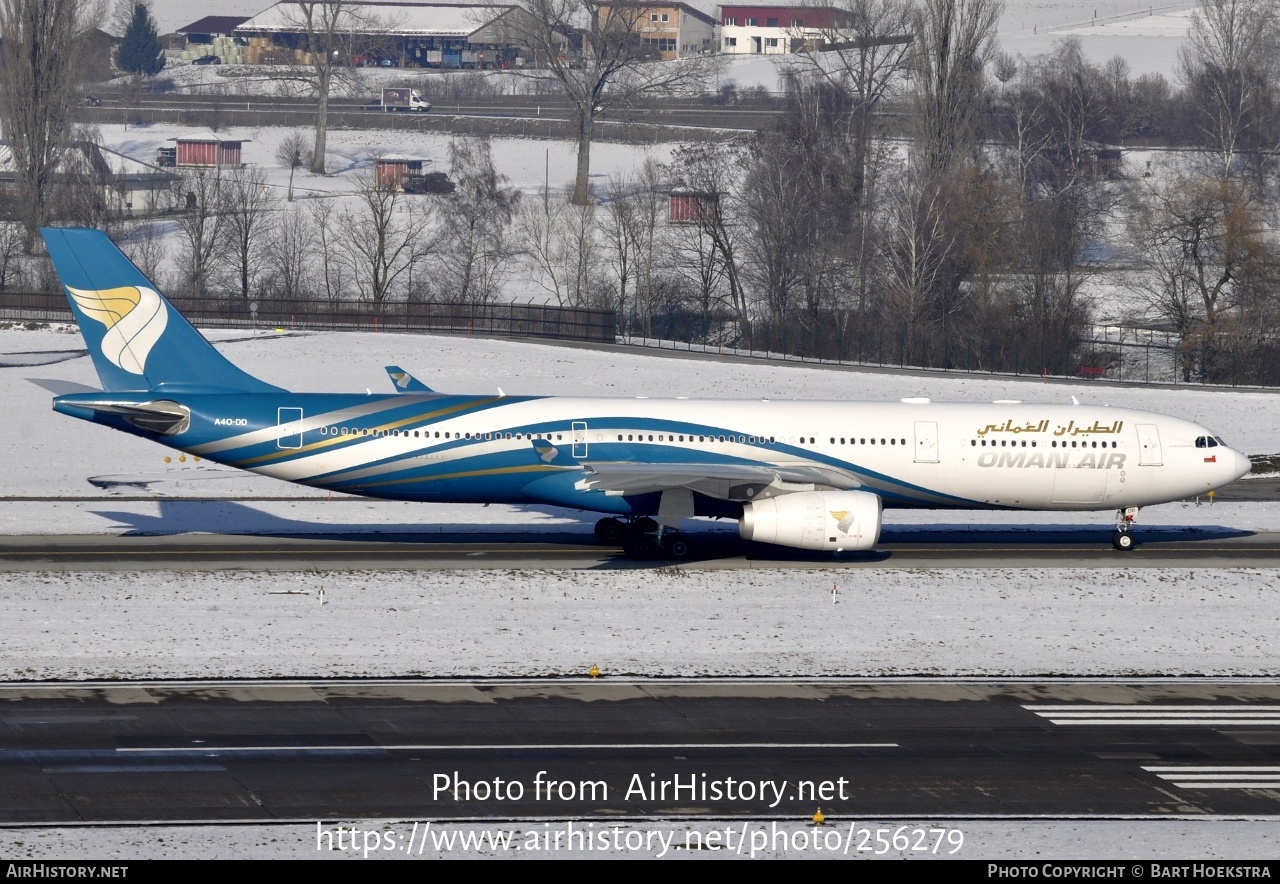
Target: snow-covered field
(744,622)
(1165,839)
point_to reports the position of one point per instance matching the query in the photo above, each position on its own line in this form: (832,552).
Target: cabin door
(289,428)
(926,442)
(579,439)
(1149,446)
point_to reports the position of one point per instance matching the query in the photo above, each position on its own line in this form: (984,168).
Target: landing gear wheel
(610,532)
(640,547)
(677,547)
(1122,540)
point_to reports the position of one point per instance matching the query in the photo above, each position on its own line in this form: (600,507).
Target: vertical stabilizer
(137,340)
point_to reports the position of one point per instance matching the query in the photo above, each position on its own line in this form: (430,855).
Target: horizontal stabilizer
(62,388)
(405,382)
(159,416)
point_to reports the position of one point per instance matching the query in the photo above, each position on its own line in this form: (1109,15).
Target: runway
(995,547)
(609,750)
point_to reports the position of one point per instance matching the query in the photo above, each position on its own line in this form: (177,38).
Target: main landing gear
(1122,539)
(642,538)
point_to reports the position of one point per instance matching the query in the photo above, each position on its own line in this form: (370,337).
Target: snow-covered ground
(1039,841)
(742,622)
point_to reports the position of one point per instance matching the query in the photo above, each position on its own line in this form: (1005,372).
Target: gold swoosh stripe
(468,474)
(313,447)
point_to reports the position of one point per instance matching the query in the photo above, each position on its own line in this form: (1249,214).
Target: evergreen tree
(140,51)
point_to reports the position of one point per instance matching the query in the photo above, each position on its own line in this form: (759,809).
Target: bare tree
(864,52)
(144,245)
(202,230)
(921,244)
(953,43)
(327,30)
(621,234)
(248,206)
(598,54)
(711,172)
(43,42)
(383,238)
(288,255)
(476,247)
(12,236)
(1201,241)
(1229,68)
(543,233)
(651,239)
(323,224)
(293,153)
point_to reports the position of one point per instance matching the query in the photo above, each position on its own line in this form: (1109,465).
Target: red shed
(394,170)
(209,151)
(687,206)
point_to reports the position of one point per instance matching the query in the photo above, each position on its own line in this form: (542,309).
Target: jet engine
(823,520)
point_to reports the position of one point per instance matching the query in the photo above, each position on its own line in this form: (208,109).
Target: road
(619,749)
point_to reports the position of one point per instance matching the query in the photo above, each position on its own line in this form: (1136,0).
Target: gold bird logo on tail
(135,319)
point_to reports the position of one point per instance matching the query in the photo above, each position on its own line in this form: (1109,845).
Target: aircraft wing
(726,481)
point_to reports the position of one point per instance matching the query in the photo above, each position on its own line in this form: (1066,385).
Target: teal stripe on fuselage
(254,419)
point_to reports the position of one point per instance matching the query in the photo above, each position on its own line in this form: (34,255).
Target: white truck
(402,99)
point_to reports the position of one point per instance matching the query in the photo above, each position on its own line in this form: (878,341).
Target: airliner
(807,475)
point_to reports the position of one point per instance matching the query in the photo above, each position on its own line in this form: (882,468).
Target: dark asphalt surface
(753,748)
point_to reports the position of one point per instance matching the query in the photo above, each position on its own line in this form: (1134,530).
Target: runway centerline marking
(503,746)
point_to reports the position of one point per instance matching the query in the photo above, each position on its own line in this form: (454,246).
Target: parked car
(167,156)
(208,59)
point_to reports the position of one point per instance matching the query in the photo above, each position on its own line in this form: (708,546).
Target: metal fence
(426,317)
(1111,353)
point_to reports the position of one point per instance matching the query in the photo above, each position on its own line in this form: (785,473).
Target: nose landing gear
(1122,539)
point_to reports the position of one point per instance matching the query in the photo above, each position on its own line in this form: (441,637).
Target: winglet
(405,382)
(551,454)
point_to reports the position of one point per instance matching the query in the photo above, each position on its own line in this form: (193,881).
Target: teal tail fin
(405,382)
(137,340)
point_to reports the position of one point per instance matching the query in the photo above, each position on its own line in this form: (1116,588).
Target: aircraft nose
(1243,465)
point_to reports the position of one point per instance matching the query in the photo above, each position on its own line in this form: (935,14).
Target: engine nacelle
(821,520)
